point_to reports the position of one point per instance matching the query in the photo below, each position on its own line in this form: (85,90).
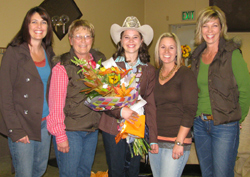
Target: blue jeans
(216,147)
(79,160)
(163,164)
(31,159)
(119,158)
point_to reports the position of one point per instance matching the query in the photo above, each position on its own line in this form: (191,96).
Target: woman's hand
(63,147)
(129,114)
(177,151)
(24,140)
(154,149)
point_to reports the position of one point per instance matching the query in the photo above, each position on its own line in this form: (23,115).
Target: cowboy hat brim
(146,31)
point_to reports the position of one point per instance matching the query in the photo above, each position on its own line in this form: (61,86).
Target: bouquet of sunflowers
(112,87)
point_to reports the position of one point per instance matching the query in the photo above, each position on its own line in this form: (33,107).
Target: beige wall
(156,13)
(102,13)
(160,14)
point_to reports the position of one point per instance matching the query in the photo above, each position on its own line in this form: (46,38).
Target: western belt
(206,117)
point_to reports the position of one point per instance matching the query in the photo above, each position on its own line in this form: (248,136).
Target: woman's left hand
(24,140)
(154,149)
(129,115)
(177,151)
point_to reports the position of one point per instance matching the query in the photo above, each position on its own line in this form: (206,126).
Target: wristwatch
(178,143)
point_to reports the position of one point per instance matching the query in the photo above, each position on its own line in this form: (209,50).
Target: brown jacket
(21,94)
(78,117)
(108,122)
(222,86)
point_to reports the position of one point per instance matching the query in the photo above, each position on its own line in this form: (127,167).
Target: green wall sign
(188,15)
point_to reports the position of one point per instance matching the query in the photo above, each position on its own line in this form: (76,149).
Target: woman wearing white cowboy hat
(132,40)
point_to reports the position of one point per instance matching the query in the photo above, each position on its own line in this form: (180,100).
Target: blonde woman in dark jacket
(224,97)
(24,79)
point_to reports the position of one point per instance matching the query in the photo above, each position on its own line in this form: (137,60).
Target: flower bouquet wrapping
(111,87)
(134,132)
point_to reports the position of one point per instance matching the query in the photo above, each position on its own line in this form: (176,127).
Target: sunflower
(186,51)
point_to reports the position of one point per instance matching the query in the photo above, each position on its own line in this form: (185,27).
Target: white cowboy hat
(132,23)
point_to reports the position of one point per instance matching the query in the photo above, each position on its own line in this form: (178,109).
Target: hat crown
(131,22)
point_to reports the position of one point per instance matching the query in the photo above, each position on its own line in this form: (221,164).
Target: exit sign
(188,15)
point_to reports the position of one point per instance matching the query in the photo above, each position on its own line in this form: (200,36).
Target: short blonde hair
(76,24)
(158,62)
(211,12)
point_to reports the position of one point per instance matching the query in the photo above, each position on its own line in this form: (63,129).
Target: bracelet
(178,143)
(121,112)
(152,144)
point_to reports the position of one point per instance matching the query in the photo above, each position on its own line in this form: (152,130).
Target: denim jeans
(119,158)
(163,164)
(79,160)
(31,159)
(216,147)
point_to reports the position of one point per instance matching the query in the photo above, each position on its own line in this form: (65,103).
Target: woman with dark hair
(223,98)
(132,40)
(24,79)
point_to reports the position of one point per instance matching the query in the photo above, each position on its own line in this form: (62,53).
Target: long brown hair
(142,52)
(23,34)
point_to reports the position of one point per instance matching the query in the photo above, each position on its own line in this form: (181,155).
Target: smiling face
(37,27)
(211,31)
(167,50)
(131,41)
(81,42)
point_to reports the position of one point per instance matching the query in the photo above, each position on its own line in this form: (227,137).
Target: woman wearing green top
(223,99)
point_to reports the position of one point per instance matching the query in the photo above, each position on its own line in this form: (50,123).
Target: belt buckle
(206,117)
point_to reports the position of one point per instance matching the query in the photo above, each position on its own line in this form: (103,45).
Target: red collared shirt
(57,96)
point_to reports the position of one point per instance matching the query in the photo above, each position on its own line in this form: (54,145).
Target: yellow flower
(186,50)
(102,69)
(113,79)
